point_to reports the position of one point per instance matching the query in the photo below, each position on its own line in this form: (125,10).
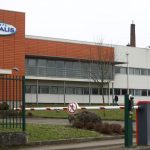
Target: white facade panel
(135,82)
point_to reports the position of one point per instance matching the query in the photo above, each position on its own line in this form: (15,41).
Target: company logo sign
(7,29)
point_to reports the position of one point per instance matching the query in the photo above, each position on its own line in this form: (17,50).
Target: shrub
(4,106)
(98,127)
(89,125)
(88,119)
(29,114)
(106,129)
(116,128)
(78,124)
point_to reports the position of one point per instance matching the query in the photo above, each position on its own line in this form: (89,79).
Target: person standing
(116,100)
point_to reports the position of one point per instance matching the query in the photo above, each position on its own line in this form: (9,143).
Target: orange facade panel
(37,47)
(12,47)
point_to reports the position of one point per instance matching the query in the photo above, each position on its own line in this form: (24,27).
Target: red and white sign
(72,107)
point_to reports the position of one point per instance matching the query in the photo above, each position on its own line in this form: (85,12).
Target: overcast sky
(86,20)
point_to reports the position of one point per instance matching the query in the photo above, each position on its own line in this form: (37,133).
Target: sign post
(72,107)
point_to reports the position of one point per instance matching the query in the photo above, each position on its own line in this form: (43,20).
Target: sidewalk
(103,144)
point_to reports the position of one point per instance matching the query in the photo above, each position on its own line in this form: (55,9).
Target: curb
(68,141)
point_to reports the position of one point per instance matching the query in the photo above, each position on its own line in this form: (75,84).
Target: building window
(144,72)
(60,64)
(76,65)
(86,91)
(123,70)
(144,92)
(28,89)
(51,63)
(111,91)
(123,91)
(42,62)
(105,91)
(117,91)
(136,71)
(31,62)
(33,89)
(70,90)
(60,90)
(117,69)
(148,71)
(53,90)
(148,92)
(44,89)
(137,92)
(131,70)
(95,91)
(78,91)
(69,64)
(131,91)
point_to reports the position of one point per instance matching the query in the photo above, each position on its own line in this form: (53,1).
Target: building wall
(39,47)
(12,47)
(137,58)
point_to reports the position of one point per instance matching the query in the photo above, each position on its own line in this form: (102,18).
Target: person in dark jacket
(116,100)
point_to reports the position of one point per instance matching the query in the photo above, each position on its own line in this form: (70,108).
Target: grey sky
(86,20)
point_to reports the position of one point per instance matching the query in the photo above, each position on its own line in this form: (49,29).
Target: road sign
(72,107)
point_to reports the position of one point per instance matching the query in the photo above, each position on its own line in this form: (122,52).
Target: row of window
(132,71)
(136,92)
(83,90)
(72,69)
(60,90)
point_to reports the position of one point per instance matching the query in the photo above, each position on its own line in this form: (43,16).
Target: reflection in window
(117,69)
(69,64)
(53,90)
(51,63)
(95,91)
(136,71)
(137,92)
(104,91)
(131,91)
(117,91)
(86,91)
(144,92)
(77,65)
(123,70)
(78,91)
(42,62)
(31,62)
(33,89)
(60,64)
(131,70)
(28,89)
(70,90)
(60,90)
(124,91)
(144,72)
(44,89)
(148,92)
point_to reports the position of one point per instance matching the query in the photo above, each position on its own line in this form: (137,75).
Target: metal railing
(12,94)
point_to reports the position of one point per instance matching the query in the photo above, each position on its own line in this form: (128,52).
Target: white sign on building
(7,29)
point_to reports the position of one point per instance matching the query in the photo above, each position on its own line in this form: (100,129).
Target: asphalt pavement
(66,122)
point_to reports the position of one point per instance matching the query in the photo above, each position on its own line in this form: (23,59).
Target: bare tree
(101,71)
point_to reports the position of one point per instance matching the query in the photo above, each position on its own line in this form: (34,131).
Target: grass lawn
(105,114)
(54,132)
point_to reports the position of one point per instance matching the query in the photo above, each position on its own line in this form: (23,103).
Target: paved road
(65,121)
(48,121)
(116,144)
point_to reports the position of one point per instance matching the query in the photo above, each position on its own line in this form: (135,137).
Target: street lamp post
(127,55)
